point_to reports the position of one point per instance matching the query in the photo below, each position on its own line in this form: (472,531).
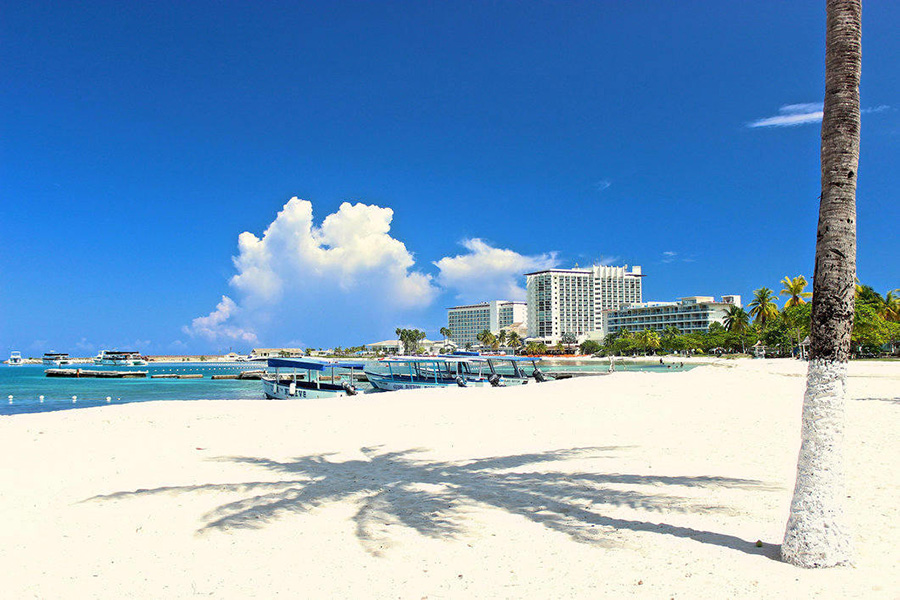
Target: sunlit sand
(633,484)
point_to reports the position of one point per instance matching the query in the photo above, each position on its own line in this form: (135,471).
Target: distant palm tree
(501,337)
(763,307)
(736,319)
(649,339)
(891,309)
(445,331)
(513,340)
(794,289)
(816,534)
(486,338)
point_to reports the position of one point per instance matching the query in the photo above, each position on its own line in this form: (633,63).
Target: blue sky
(471,141)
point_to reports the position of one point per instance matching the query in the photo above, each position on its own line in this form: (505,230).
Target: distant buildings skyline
(588,303)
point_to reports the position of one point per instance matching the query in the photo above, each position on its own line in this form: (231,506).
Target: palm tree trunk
(816,534)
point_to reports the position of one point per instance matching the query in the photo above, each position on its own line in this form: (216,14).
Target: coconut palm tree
(763,307)
(649,339)
(891,310)
(501,338)
(445,331)
(514,340)
(736,319)
(794,289)
(816,534)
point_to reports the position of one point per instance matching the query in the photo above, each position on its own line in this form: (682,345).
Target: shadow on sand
(430,497)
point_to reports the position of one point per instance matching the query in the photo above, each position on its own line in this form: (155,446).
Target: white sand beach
(638,485)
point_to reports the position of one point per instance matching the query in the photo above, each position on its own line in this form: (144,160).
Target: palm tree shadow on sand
(431,497)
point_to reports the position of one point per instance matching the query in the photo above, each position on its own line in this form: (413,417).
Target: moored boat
(15,359)
(413,373)
(312,383)
(119,358)
(512,370)
(56,359)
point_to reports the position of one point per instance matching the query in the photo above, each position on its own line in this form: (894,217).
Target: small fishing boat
(15,359)
(56,359)
(413,373)
(312,384)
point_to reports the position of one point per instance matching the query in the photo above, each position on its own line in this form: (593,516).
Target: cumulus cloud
(489,273)
(791,115)
(217,324)
(297,278)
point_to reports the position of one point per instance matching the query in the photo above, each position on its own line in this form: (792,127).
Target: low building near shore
(693,314)
(276,353)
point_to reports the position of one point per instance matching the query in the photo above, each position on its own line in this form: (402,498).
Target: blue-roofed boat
(304,378)
(413,373)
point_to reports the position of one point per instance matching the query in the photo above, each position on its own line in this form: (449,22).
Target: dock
(177,376)
(79,373)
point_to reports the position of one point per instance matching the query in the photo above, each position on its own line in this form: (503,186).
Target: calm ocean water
(26,384)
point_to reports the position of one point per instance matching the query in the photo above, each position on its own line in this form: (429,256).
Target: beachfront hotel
(693,314)
(467,321)
(574,301)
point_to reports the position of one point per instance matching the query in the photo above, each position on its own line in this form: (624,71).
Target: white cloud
(215,326)
(791,115)
(302,279)
(669,256)
(488,273)
(602,185)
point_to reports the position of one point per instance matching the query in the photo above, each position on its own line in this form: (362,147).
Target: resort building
(562,301)
(693,314)
(276,353)
(467,321)
(395,347)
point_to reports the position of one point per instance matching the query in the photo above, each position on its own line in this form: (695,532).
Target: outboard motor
(494,379)
(460,381)
(539,376)
(351,390)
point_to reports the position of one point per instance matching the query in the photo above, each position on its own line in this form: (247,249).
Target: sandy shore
(634,484)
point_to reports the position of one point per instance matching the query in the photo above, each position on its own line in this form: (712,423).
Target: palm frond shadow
(431,497)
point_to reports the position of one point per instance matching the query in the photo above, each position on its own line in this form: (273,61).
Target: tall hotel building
(575,300)
(466,322)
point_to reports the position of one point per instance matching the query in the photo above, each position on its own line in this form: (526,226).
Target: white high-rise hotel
(574,300)
(467,321)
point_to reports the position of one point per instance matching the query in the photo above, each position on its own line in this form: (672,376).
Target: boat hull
(389,384)
(284,390)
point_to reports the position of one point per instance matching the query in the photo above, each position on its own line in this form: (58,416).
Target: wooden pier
(79,373)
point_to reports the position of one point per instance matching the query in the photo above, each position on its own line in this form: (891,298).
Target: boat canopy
(311,365)
(413,359)
(478,356)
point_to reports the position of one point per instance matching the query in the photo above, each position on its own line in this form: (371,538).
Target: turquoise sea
(26,384)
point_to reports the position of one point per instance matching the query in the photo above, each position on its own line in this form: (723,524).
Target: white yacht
(15,359)
(119,359)
(56,359)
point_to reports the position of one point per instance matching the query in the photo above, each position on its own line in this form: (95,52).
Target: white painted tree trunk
(817,535)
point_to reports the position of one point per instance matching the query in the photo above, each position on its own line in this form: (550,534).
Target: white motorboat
(56,359)
(15,359)
(119,359)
